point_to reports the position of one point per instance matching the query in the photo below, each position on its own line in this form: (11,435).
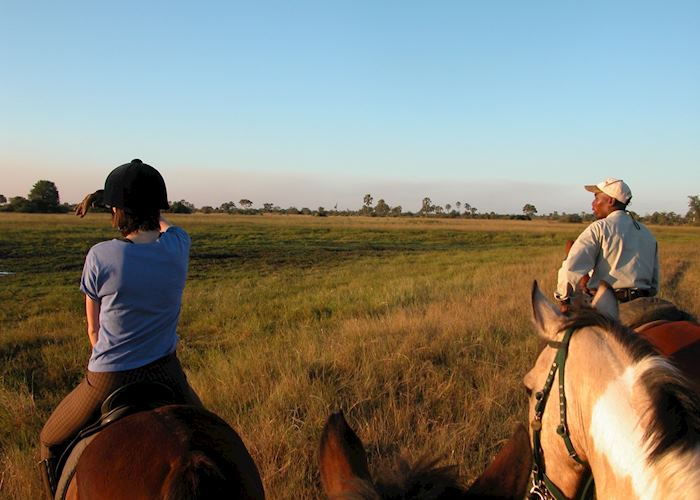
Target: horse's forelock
(423,479)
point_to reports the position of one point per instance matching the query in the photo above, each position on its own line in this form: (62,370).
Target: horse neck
(618,409)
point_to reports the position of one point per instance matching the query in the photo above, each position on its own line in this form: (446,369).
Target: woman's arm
(164,224)
(92,312)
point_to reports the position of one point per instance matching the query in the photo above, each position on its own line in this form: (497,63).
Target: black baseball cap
(136,187)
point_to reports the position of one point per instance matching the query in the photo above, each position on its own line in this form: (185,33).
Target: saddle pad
(71,463)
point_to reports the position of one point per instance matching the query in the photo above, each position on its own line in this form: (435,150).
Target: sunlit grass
(418,328)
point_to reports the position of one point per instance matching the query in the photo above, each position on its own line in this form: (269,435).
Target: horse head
(603,401)
(345,474)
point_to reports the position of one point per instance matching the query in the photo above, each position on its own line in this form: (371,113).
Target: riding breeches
(81,407)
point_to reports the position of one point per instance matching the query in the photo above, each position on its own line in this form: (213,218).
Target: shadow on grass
(24,363)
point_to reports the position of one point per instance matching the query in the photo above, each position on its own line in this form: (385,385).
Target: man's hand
(90,201)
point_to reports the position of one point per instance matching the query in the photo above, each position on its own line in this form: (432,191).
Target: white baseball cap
(615,188)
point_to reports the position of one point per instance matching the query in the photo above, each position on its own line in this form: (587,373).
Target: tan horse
(345,474)
(632,418)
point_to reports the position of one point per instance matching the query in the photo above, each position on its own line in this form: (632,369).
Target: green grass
(418,329)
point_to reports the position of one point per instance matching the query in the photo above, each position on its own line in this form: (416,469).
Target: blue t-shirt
(139,288)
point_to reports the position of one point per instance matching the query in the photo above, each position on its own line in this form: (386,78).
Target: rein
(542,486)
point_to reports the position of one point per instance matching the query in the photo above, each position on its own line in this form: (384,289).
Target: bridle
(543,487)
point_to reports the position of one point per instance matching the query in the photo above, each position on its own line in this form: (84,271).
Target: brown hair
(127,221)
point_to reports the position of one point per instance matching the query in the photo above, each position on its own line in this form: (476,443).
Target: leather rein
(543,487)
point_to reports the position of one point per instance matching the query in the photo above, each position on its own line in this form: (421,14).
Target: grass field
(419,329)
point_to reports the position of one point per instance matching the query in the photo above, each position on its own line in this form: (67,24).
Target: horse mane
(675,406)
(399,478)
(423,479)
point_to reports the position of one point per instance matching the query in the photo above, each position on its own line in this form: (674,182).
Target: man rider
(615,248)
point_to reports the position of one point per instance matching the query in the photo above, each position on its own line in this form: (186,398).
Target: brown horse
(345,474)
(172,452)
(630,416)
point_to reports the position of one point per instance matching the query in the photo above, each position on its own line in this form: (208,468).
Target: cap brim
(593,188)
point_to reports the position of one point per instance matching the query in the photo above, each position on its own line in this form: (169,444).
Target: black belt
(627,294)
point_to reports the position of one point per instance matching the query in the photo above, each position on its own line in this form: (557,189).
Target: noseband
(542,486)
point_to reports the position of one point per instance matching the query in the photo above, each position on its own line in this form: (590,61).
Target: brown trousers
(81,407)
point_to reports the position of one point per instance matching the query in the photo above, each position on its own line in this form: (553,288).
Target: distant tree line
(44,198)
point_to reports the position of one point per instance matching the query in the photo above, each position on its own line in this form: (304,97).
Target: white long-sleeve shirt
(617,250)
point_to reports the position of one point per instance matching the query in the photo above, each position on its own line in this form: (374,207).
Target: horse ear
(509,473)
(342,459)
(605,301)
(546,316)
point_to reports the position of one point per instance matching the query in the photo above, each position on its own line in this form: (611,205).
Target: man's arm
(92,312)
(579,262)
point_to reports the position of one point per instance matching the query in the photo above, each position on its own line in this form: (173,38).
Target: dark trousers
(82,406)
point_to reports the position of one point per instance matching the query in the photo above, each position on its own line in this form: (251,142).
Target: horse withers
(345,473)
(172,452)
(603,400)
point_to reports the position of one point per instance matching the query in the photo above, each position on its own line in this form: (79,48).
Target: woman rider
(133,292)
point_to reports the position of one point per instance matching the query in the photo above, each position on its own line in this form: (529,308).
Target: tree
(227,207)
(448,207)
(267,207)
(573,218)
(181,207)
(426,206)
(44,197)
(664,218)
(396,211)
(529,210)
(367,205)
(245,203)
(693,215)
(467,208)
(382,209)
(3,200)
(458,204)
(18,204)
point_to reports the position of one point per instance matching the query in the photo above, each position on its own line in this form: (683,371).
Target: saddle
(680,342)
(645,310)
(126,400)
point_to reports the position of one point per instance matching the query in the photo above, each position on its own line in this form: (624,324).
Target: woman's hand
(92,200)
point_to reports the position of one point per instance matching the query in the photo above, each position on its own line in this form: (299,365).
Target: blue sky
(493,103)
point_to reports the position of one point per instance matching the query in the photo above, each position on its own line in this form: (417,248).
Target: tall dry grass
(419,330)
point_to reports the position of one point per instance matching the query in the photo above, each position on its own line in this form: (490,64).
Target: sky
(316,103)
